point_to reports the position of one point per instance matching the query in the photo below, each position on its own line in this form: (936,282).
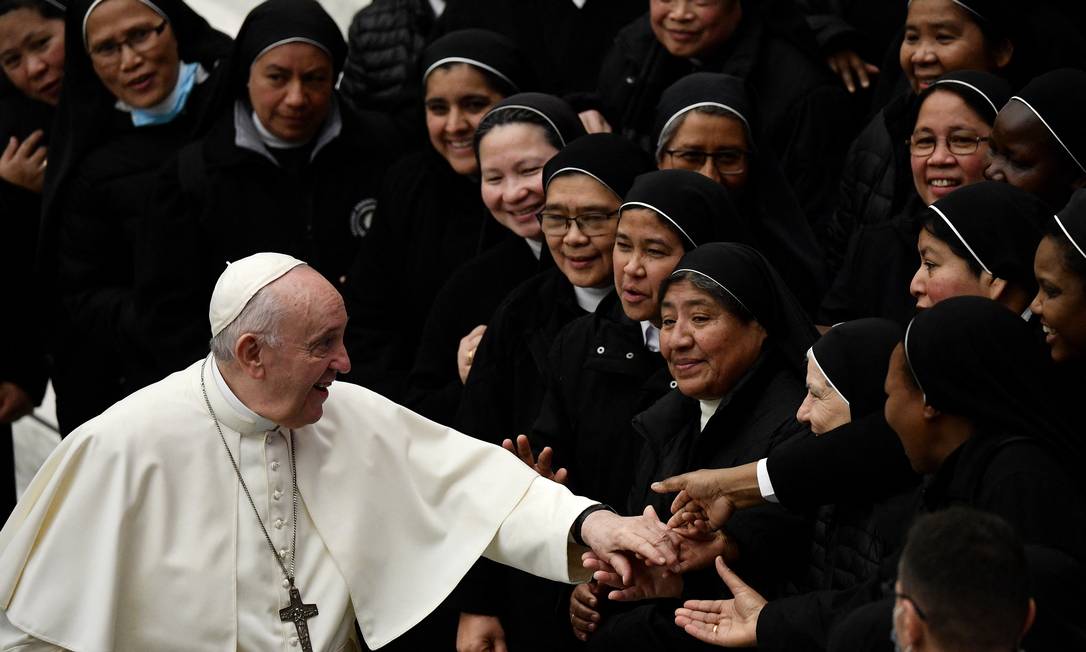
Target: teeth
(460,144)
(943,183)
(1047,329)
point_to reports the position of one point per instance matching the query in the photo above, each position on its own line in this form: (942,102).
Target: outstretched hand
(707,498)
(620,541)
(648,582)
(542,465)
(848,65)
(727,623)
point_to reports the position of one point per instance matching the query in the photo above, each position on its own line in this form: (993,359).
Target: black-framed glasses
(959,143)
(726,161)
(140,39)
(919,612)
(590,224)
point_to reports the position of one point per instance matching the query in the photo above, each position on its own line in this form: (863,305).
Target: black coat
(100,357)
(468,299)
(218,201)
(505,386)
(805,112)
(599,377)
(429,221)
(1011,476)
(756,416)
(874,279)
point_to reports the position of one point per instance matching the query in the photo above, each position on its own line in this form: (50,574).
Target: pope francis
(248,503)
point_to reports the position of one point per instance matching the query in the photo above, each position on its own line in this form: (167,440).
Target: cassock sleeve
(13,639)
(518,542)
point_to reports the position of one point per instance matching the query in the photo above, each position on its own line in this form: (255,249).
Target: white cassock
(136,534)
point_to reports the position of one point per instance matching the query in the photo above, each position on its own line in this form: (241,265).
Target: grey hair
(669,130)
(260,316)
(707,285)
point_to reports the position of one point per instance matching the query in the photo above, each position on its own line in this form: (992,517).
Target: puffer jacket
(384,40)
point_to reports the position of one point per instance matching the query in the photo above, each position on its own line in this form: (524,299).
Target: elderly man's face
(310,351)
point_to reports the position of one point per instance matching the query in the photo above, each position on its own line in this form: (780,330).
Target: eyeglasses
(726,161)
(590,224)
(140,39)
(916,607)
(959,143)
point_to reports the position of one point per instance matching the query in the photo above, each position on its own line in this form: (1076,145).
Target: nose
(633,266)
(1037,306)
(341,361)
(803,414)
(916,286)
(709,170)
(129,57)
(514,191)
(35,66)
(993,171)
(681,10)
(923,53)
(942,155)
(574,237)
(295,97)
(457,120)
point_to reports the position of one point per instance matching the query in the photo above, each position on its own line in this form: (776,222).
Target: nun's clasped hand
(23,163)
(727,623)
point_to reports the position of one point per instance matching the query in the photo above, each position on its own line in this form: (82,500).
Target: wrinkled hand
(648,583)
(23,164)
(478,633)
(14,403)
(727,623)
(542,466)
(583,616)
(594,122)
(848,65)
(702,500)
(465,353)
(622,540)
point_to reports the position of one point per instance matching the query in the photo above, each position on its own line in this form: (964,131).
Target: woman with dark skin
(139,83)
(1038,143)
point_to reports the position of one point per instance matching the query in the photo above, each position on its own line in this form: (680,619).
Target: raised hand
(542,466)
(727,623)
(621,541)
(848,65)
(23,164)
(583,616)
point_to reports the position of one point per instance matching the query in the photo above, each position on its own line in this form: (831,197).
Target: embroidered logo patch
(362,217)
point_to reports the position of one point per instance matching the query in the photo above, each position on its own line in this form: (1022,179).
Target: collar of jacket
(246,136)
(959,478)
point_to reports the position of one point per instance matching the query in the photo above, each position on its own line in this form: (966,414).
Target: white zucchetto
(240,281)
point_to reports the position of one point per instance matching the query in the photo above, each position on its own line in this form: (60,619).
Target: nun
(948,145)
(1038,142)
(513,142)
(875,183)
(1060,268)
(707,123)
(139,84)
(734,339)
(584,185)
(605,368)
(428,219)
(285,169)
(969,394)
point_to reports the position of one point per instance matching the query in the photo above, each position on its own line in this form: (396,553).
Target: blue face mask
(169,108)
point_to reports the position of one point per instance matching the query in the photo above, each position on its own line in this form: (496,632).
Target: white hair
(260,317)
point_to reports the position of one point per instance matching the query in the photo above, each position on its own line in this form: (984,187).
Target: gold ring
(471,356)
(715,628)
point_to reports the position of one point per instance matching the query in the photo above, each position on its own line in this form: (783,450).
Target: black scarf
(555,111)
(608,158)
(483,49)
(697,207)
(854,357)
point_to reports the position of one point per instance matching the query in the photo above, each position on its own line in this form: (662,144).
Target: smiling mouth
(458,145)
(944,183)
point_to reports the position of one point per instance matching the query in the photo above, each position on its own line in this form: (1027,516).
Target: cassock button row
(278,524)
(293,642)
(282,553)
(275,465)
(286,584)
(277,494)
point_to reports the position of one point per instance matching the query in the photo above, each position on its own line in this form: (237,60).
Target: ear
(248,352)
(1003,54)
(911,629)
(930,412)
(997,287)
(1031,616)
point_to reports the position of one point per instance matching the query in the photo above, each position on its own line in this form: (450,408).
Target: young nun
(428,219)
(139,84)
(513,142)
(707,123)
(970,397)
(980,241)
(1038,141)
(584,186)
(283,170)
(940,37)
(948,146)
(734,338)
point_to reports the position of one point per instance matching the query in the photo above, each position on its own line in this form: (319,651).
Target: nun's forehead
(98,3)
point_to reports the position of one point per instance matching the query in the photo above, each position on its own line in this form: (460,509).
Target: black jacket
(429,221)
(599,377)
(1011,476)
(805,112)
(876,181)
(468,299)
(504,389)
(228,196)
(756,416)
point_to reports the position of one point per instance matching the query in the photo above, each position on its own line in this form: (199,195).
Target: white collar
(579,3)
(651,335)
(536,246)
(271,140)
(438,6)
(708,409)
(259,422)
(589,298)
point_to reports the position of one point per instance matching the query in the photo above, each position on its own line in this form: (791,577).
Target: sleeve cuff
(765,485)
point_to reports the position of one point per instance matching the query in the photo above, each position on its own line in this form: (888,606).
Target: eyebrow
(581,210)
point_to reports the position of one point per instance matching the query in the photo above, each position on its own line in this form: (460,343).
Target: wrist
(588,523)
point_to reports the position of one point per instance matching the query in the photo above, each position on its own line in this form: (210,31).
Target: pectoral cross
(299,613)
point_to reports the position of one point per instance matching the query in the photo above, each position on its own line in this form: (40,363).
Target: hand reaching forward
(727,623)
(648,583)
(542,466)
(621,540)
(583,604)
(711,494)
